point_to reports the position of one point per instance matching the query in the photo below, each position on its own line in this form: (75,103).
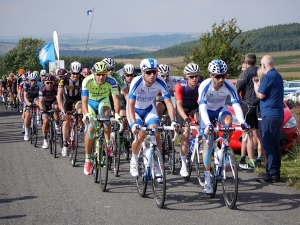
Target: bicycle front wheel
(95,159)
(230,180)
(171,152)
(74,146)
(50,134)
(159,180)
(141,180)
(115,144)
(104,164)
(54,139)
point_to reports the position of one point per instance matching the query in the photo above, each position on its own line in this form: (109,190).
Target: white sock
(135,157)
(183,161)
(207,177)
(26,131)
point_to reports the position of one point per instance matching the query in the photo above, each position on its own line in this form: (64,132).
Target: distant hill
(284,37)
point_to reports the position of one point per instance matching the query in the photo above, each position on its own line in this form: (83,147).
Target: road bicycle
(52,133)
(168,150)
(125,140)
(223,165)
(33,129)
(116,144)
(73,137)
(147,158)
(100,160)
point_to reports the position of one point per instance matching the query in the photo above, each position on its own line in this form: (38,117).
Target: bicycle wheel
(115,144)
(230,183)
(30,131)
(74,147)
(169,146)
(35,131)
(54,136)
(159,181)
(95,159)
(104,164)
(199,168)
(126,138)
(50,135)
(140,180)
(60,138)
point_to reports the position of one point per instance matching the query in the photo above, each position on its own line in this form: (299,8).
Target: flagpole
(87,41)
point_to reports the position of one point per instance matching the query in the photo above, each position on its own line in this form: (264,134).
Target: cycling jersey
(188,95)
(32,92)
(143,95)
(213,100)
(48,95)
(96,92)
(171,83)
(119,80)
(71,89)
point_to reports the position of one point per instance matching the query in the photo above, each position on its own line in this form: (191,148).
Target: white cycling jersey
(143,95)
(211,99)
(171,83)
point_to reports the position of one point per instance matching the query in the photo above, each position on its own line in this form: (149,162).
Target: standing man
(245,86)
(270,91)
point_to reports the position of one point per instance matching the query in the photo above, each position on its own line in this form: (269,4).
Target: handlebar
(160,128)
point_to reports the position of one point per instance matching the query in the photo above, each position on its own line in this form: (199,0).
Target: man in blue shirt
(270,91)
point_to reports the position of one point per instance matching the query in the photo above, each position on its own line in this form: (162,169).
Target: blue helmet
(217,66)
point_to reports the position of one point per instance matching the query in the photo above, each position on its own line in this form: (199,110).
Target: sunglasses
(192,77)
(218,77)
(110,69)
(33,81)
(149,72)
(48,83)
(76,74)
(129,75)
(163,76)
(100,74)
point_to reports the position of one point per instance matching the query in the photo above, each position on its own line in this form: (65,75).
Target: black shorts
(188,111)
(250,115)
(69,101)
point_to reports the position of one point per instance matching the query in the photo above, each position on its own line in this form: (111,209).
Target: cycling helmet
(33,76)
(11,75)
(49,77)
(36,72)
(109,62)
(191,68)
(128,68)
(61,72)
(25,76)
(217,66)
(85,70)
(163,69)
(99,67)
(43,72)
(148,63)
(21,72)
(75,67)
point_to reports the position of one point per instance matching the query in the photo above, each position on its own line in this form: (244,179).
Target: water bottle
(192,144)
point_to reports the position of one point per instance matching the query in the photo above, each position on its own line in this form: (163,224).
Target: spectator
(270,91)
(245,86)
(244,65)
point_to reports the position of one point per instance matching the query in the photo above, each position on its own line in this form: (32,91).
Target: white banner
(53,66)
(55,41)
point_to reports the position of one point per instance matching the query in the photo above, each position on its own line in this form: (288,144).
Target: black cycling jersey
(32,92)
(71,89)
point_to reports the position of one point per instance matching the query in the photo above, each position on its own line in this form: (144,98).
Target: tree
(219,45)
(25,55)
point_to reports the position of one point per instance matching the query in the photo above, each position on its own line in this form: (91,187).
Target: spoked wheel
(54,140)
(95,159)
(169,147)
(126,149)
(159,181)
(115,147)
(104,164)
(35,131)
(199,170)
(74,146)
(51,134)
(141,181)
(230,183)
(30,131)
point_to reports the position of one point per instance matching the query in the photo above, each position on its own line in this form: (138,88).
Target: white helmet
(128,68)
(109,62)
(191,68)
(163,69)
(33,76)
(43,72)
(148,64)
(75,67)
(217,66)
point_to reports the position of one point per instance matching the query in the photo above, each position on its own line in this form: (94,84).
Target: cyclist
(141,107)
(164,72)
(47,101)
(85,72)
(12,89)
(95,100)
(212,94)
(21,97)
(186,95)
(31,94)
(68,94)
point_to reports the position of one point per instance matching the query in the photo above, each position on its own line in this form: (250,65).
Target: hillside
(284,37)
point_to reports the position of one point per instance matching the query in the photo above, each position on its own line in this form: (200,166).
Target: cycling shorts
(96,107)
(69,101)
(213,115)
(188,111)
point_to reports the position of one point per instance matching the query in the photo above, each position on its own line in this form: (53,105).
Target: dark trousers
(270,129)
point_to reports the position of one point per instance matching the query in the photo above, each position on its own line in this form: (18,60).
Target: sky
(34,18)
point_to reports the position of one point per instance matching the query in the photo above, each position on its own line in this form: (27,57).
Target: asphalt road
(35,188)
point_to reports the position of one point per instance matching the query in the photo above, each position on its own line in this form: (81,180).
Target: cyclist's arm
(116,100)
(26,98)
(203,103)
(84,102)
(178,98)
(60,93)
(125,93)
(170,107)
(41,99)
(20,88)
(131,112)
